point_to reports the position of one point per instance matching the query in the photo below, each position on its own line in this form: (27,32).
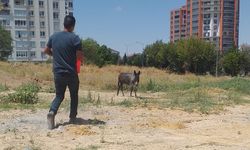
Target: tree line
(190,55)
(195,56)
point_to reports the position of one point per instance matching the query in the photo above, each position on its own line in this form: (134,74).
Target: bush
(3,88)
(25,94)
(153,86)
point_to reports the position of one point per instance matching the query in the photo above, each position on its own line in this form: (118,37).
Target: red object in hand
(78,65)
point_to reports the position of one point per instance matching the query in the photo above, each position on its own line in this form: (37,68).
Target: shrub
(3,88)
(153,86)
(25,94)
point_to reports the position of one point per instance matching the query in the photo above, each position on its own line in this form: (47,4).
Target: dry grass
(190,92)
(92,77)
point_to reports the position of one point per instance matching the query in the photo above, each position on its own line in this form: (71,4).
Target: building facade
(30,23)
(178,24)
(213,20)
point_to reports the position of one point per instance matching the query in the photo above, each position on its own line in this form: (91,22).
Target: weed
(98,101)
(51,89)
(3,88)
(152,86)
(25,94)
(91,147)
(126,103)
(89,97)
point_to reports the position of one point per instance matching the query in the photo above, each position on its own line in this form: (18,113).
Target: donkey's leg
(122,89)
(135,90)
(118,89)
(131,90)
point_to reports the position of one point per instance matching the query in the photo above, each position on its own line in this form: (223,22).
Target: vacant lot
(171,112)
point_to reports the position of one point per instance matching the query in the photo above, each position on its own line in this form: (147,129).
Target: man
(66,49)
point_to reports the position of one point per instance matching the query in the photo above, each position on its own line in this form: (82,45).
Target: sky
(129,25)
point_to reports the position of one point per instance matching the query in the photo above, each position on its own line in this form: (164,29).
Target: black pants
(61,83)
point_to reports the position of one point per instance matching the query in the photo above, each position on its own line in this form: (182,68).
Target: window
(32,44)
(207,16)
(19,2)
(21,54)
(206,22)
(30,2)
(207,34)
(41,4)
(41,13)
(43,55)
(56,15)
(33,54)
(215,34)
(20,23)
(42,34)
(25,44)
(55,5)
(71,13)
(215,21)
(32,34)
(21,34)
(42,24)
(42,44)
(206,28)
(4,22)
(4,12)
(70,5)
(31,23)
(56,26)
(21,13)
(21,44)
(215,15)
(31,13)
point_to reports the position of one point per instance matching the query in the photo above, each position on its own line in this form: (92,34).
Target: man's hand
(79,55)
(48,51)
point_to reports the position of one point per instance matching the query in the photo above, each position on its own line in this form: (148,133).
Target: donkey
(131,79)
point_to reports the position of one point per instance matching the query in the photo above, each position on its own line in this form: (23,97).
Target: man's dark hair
(69,21)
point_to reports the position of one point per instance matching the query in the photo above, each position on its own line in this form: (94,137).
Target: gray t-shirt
(64,46)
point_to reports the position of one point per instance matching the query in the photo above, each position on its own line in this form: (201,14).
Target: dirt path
(127,128)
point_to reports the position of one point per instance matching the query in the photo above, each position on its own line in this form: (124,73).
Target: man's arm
(79,55)
(48,51)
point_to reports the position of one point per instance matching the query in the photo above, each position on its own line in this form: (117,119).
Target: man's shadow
(81,121)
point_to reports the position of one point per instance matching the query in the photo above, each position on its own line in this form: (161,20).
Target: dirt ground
(124,128)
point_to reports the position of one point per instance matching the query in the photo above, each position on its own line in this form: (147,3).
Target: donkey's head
(137,78)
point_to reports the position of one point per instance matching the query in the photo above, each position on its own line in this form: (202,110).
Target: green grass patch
(91,147)
(238,84)
(3,87)
(24,94)
(153,86)
(125,103)
(8,106)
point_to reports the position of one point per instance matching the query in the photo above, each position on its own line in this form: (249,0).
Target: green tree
(245,58)
(124,59)
(90,48)
(98,55)
(231,62)
(5,44)
(156,54)
(195,55)
(135,60)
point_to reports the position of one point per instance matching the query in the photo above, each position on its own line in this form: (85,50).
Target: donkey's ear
(139,72)
(134,72)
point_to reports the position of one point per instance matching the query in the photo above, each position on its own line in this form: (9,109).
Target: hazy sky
(129,25)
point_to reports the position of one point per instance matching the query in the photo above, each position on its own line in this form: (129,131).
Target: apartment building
(213,20)
(178,24)
(30,23)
